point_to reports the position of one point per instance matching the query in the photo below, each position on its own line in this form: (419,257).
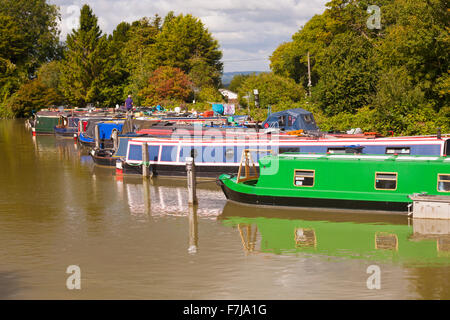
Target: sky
(248,31)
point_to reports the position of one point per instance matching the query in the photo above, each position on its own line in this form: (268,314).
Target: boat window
(288,149)
(444,182)
(305,238)
(386,181)
(336,150)
(291,121)
(386,241)
(304,178)
(169,153)
(398,150)
(443,245)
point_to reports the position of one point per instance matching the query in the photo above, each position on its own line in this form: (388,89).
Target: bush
(32,96)
(209,94)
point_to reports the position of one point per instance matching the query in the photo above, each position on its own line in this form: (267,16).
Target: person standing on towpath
(129,104)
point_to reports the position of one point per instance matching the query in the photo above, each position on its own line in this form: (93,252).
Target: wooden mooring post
(146,194)
(145,161)
(97,137)
(193,229)
(115,139)
(191,181)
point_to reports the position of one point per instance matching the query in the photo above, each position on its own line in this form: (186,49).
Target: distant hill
(228,76)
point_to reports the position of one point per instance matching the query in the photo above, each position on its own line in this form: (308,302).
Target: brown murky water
(135,240)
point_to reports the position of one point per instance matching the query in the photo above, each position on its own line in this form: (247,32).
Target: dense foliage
(393,78)
(93,68)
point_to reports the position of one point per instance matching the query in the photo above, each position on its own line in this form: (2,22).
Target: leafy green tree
(50,75)
(237,82)
(33,26)
(116,73)
(417,38)
(286,61)
(137,54)
(209,94)
(28,37)
(348,75)
(85,61)
(272,90)
(184,38)
(203,75)
(393,78)
(12,40)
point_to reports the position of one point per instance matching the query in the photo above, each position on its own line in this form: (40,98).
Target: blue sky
(247,30)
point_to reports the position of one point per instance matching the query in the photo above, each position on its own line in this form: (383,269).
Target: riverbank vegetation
(395,78)
(391,76)
(157,60)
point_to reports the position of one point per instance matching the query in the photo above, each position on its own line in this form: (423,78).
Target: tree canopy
(94,68)
(399,73)
(383,70)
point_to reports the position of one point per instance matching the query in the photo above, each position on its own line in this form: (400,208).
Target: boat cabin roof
(357,157)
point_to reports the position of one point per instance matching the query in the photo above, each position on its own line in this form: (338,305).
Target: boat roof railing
(394,157)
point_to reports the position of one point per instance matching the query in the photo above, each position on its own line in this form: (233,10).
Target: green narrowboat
(362,182)
(45,123)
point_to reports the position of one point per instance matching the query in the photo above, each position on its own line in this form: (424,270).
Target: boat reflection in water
(374,237)
(169,197)
(46,147)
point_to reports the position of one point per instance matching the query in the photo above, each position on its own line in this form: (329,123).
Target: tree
(272,89)
(28,37)
(31,97)
(137,54)
(35,23)
(393,78)
(348,75)
(209,94)
(184,38)
(285,61)
(50,75)
(167,84)
(237,82)
(202,74)
(85,62)
(12,40)
(417,38)
(116,74)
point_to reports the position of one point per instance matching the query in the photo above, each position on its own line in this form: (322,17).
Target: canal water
(130,239)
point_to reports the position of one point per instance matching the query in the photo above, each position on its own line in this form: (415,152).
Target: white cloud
(246,30)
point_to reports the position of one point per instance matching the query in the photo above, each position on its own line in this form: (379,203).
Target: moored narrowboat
(44,123)
(214,156)
(86,131)
(364,182)
(67,126)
